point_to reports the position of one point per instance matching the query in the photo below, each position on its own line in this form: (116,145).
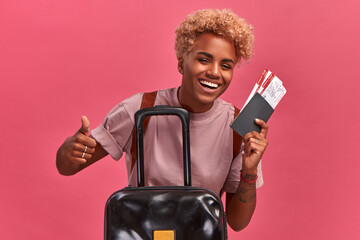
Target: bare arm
(72,157)
(241,205)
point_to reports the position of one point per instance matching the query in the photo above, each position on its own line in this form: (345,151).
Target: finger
(258,141)
(78,160)
(82,155)
(254,148)
(263,125)
(85,140)
(85,126)
(250,135)
(254,142)
(83,148)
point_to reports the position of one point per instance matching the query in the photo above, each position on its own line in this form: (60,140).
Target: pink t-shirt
(211,144)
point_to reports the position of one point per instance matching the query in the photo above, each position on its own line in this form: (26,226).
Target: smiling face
(207,72)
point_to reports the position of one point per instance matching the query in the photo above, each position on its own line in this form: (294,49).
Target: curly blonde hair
(224,23)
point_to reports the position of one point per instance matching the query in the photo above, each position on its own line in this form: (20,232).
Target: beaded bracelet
(247,181)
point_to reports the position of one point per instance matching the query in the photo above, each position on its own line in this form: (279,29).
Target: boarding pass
(270,87)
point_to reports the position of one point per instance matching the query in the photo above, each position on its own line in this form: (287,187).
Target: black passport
(257,107)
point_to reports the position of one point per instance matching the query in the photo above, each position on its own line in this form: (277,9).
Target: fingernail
(242,152)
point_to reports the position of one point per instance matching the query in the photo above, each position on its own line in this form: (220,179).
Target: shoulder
(127,106)
(226,107)
(130,105)
(167,97)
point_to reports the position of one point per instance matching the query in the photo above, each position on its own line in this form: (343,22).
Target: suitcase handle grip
(184,116)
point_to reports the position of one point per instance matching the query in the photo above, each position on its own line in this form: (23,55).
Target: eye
(226,66)
(204,60)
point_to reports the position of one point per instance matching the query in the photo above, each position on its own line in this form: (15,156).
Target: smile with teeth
(209,84)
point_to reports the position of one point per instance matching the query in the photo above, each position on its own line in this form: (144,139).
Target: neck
(191,105)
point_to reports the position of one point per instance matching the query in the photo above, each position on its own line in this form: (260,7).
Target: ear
(181,65)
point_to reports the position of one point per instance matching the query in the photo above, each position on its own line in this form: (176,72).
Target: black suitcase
(164,212)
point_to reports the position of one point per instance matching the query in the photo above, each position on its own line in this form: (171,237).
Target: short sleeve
(116,129)
(233,179)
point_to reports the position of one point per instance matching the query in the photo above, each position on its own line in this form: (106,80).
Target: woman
(209,44)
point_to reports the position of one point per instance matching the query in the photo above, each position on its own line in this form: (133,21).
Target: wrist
(249,171)
(248,177)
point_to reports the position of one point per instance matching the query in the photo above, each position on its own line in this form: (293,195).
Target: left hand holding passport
(251,122)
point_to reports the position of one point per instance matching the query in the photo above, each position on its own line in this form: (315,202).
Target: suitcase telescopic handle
(140,116)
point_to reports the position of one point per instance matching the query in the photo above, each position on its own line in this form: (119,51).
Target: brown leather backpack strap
(148,100)
(237,139)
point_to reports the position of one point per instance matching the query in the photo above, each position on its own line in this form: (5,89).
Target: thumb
(85,125)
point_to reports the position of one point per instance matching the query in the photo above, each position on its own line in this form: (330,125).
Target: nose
(213,71)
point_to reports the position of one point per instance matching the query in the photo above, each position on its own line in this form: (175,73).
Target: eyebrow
(211,56)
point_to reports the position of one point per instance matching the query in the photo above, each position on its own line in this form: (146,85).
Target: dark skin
(210,62)
(68,157)
(240,206)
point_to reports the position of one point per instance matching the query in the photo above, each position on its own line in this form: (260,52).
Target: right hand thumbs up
(78,150)
(85,126)
(81,146)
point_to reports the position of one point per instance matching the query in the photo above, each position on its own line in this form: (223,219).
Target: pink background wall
(62,59)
